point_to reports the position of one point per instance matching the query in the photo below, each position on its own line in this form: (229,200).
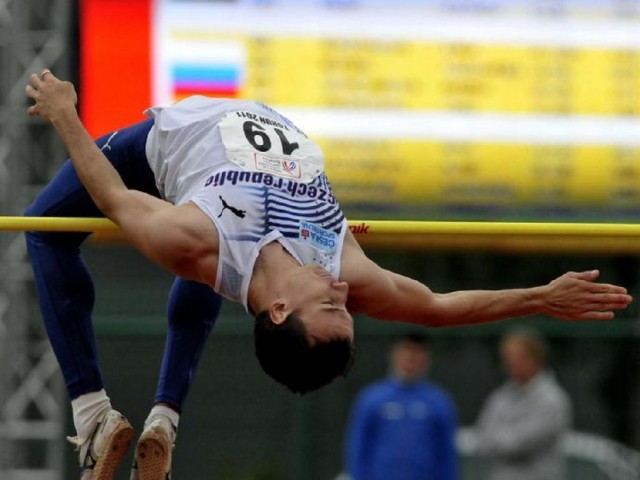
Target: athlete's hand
(576,296)
(53,97)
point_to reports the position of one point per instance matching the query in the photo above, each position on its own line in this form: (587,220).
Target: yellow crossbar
(371,227)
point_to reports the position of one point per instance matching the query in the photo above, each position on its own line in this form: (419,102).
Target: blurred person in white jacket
(522,423)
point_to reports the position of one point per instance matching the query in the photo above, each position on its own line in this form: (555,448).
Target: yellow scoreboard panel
(503,175)
(562,74)
(316,72)
(428,76)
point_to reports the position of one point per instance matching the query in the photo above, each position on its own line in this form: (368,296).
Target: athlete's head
(305,339)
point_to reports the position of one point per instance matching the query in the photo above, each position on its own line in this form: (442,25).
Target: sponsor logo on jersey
(320,238)
(289,166)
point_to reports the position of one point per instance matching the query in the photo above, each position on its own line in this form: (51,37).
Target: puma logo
(106,145)
(236,211)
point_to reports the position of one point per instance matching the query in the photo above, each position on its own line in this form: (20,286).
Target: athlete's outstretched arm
(573,296)
(179,238)
(386,295)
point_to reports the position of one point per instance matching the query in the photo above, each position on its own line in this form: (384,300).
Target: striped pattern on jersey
(286,205)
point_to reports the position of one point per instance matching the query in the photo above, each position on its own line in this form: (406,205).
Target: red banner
(115,68)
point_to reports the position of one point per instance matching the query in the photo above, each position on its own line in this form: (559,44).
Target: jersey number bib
(259,143)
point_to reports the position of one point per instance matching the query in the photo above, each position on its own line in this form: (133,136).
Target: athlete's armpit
(180,238)
(380,293)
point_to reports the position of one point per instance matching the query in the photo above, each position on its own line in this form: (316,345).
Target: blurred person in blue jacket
(403,427)
(522,423)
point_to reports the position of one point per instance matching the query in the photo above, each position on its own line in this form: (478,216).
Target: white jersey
(258,178)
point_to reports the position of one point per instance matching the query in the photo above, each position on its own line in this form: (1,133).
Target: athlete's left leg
(192,312)
(193,309)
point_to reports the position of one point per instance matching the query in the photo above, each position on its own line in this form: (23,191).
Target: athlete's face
(320,301)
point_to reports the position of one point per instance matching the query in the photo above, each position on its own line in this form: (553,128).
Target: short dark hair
(417,338)
(285,354)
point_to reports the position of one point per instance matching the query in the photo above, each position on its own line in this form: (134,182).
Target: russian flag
(135,54)
(213,80)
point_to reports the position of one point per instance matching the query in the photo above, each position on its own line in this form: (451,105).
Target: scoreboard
(414,75)
(503,105)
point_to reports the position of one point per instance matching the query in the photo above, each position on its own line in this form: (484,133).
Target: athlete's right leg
(66,295)
(63,283)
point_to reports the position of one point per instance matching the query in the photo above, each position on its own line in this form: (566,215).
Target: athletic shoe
(153,452)
(103,452)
